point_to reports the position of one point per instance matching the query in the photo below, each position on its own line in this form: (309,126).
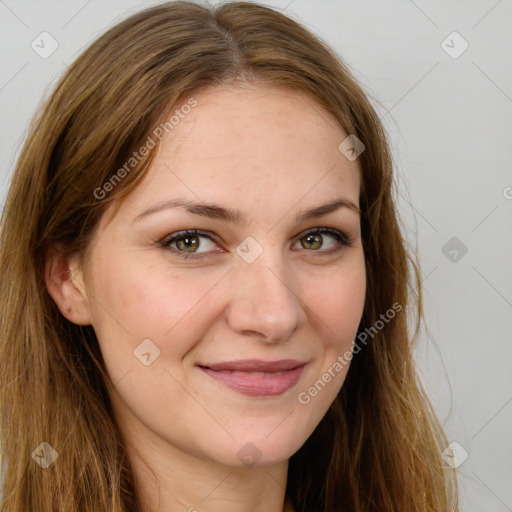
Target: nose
(265,301)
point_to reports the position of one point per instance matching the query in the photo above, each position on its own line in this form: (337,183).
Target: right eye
(186,243)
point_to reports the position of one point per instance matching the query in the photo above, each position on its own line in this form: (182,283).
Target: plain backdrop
(440,76)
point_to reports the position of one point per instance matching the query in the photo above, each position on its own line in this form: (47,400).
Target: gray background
(449,119)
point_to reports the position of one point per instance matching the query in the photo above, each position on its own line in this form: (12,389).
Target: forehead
(253,120)
(244,142)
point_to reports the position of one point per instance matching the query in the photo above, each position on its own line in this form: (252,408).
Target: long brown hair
(378,447)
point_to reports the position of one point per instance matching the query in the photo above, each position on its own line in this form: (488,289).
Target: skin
(271,154)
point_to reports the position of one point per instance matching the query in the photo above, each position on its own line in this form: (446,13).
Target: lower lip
(257,383)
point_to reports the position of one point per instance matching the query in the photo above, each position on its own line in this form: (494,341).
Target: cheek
(337,305)
(134,301)
(337,301)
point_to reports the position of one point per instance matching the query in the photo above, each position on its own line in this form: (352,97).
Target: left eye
(314,240)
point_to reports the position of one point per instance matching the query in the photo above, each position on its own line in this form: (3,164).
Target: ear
(64,282)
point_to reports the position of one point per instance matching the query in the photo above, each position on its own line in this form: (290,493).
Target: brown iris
(312,239)
(187,242)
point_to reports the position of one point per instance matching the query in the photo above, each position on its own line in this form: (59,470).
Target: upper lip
(255,365)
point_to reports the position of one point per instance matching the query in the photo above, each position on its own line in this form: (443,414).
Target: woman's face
(223,344)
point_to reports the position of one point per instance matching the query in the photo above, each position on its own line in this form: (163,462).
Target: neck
(175,484)
(167,478)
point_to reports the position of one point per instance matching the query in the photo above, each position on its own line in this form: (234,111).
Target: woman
(204,283)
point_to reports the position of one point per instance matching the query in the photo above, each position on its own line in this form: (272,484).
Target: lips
(256,377)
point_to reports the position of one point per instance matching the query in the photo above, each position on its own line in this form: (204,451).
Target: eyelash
(340,237)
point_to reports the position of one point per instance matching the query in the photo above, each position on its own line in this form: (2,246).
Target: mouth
(256,377)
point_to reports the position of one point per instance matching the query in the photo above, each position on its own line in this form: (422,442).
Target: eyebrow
(238,217)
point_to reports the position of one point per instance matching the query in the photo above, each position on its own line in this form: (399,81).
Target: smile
(256,378)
